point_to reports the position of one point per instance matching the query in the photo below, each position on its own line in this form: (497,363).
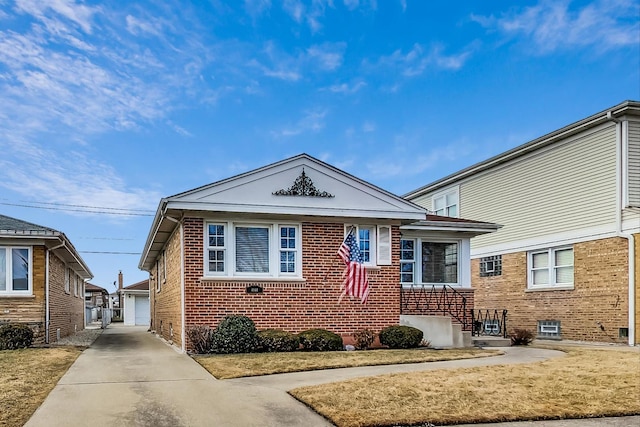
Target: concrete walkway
(129,377)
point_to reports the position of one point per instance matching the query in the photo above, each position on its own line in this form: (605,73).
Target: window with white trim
(407,260)
(429,262)
(446,203)
(550,268)
(67,280)
(15,270)
(253,250)
(491,266)
(374,243)
(75,285)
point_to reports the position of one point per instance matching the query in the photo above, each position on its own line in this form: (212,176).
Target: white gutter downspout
(182,290)
(621,184)
(47,311)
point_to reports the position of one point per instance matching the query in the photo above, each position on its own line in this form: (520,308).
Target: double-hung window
(374,243)
(446,203)
(550,268)
(429,262)
(253,250)
(15,271)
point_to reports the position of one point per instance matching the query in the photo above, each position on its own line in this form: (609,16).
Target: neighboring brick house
(264,244)
(41,280)
(566,262)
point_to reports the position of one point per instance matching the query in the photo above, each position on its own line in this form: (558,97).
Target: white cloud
(346,88)
(352,4)
(327,56)
(256,7)
(554,25)
(418,60)
(312,121)
(79,14)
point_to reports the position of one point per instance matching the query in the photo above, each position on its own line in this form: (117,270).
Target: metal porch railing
(489,322)
(436,299)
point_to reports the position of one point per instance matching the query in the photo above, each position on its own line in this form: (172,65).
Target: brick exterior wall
(637,285)
(66,310)
(165,305)
(599,297)
(299,305)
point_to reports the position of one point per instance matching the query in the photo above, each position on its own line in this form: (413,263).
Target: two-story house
(566,261)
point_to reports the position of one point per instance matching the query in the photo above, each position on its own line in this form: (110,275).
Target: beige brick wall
(66,310)
(593,311)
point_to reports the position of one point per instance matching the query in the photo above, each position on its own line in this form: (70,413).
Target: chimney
(120,280)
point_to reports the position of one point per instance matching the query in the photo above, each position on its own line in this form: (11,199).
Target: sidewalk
(129,377)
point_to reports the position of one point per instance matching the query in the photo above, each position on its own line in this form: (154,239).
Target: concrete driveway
(129,377)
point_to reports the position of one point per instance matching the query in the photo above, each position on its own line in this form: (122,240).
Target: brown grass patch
(254,364)
(585,383)
(26,378)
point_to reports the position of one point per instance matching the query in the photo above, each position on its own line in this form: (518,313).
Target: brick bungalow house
(264,244)
(41,280)
(566,262)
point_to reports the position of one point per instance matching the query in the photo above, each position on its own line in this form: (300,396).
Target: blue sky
(105,107)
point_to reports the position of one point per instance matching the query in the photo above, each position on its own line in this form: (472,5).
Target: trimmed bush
(14,336)
(201,337)
(363,338)
(521,337)
(401,337)
(276,340)
(320,340)
(235,334)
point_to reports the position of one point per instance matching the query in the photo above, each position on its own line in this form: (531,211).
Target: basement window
(549,329)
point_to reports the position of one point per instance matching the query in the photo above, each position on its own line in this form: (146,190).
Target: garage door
(142,310)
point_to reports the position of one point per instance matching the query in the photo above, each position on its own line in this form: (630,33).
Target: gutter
(621,182)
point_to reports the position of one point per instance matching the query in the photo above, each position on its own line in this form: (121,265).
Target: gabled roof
(54,240)
(142,285)
(614,113)
(90,287)
(298,187)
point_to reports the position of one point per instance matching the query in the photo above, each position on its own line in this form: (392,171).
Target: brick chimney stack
(120,280)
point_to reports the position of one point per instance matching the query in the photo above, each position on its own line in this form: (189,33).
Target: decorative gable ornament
(303,186)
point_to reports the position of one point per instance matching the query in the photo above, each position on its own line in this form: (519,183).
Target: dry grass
(253,364)
(26,378)
(585,383)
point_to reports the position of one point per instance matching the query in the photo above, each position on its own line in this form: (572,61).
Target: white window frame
(373,241)
(551,268)
(75,285)
(229,248)
(445,211)
(417,253)
(67,280)
(407,261)
(9,272)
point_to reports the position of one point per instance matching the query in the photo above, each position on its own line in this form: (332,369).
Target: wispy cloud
(327,56)
(312,121)
(346,88)
(555,25)
(418,60)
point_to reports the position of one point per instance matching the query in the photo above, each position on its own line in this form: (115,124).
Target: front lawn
(585,383)
(26,378)
(253,364)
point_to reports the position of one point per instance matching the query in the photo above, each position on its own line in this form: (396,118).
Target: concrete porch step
(490,342)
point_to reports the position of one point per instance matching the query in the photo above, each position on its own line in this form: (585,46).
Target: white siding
(566,187)
(634,164)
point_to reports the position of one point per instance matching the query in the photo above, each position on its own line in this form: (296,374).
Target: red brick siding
(312,303)
(599,297)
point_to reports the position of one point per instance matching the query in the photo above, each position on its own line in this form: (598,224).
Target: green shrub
(363,338)
(320,340)
(201,338)
(235,334)
(521,337)
(14,336)
(275,340)
(401,337)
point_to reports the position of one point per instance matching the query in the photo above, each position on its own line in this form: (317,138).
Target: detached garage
(135,305)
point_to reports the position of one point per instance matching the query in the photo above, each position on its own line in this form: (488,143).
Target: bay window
(15,271)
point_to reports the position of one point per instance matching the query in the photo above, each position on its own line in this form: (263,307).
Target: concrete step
(491,342)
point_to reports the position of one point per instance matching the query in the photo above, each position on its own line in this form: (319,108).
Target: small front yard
(585,383)
(26,378)
(253,364)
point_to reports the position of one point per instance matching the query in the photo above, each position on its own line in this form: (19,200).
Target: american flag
(355,282)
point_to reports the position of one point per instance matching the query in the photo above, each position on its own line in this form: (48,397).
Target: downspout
(47,311)
(621,185)
(182,290)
